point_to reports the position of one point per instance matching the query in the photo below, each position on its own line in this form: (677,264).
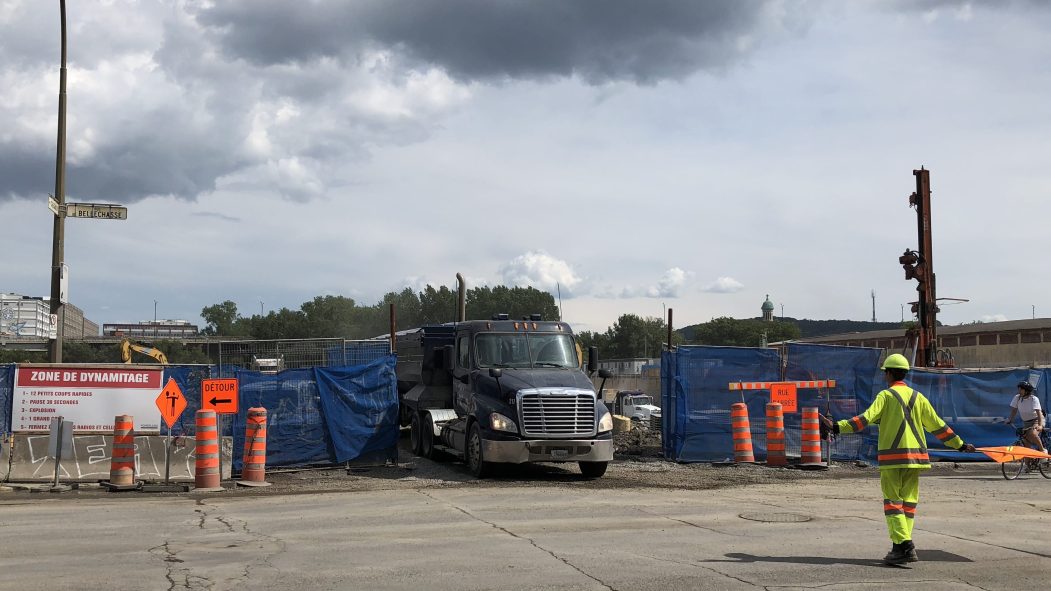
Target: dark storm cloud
(486,39)
(283,95)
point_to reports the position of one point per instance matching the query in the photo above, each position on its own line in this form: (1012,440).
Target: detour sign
(220,395)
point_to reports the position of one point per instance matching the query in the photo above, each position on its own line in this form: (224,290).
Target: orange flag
(1011,453)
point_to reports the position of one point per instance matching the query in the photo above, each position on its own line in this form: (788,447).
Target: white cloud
(724,285)
(542,271)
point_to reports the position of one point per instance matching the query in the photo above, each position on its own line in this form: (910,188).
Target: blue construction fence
(320,415)
(696,398)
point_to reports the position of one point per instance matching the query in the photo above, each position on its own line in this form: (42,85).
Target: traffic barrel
(742,434)
(253,473)
(122,460)
(206,466)
(775,435)
(810,448)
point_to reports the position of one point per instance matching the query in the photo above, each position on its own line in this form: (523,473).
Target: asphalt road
(974,530)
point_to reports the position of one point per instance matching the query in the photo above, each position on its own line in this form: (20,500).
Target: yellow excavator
(126,347)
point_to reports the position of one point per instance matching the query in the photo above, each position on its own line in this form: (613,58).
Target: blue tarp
(300,430)
(360,405)
(697,428)
(7,385)
(696,397)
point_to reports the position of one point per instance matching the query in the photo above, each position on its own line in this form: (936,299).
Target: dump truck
(502,391)
(636,405)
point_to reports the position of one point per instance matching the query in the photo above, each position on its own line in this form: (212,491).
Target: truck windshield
(641,400)
(524,350)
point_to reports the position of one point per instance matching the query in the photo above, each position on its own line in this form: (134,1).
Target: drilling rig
(919,265)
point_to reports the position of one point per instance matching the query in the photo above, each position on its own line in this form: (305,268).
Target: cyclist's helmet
(1026,386)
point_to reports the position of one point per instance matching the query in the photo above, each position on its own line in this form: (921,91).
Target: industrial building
(28,316)
(158,329)
(1013,343)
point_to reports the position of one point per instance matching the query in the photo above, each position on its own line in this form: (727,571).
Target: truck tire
(473,453)
(416,434)
(593,469)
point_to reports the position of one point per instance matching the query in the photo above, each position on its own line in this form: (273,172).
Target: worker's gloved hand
(826,426)
(967,447)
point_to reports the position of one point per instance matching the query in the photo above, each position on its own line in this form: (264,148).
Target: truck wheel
(475,463)
(416,434)
(427,438)
(593,469)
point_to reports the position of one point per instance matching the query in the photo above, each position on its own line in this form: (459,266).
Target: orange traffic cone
(810,448)
(122,460)
(206,465)
(253,473)
(775,435)
(742,434)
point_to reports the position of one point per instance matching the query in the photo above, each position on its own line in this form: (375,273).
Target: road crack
(531,541)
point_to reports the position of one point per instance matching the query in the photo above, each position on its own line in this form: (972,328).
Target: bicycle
(1014,468)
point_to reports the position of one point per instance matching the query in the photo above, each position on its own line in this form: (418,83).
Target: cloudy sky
(637,155)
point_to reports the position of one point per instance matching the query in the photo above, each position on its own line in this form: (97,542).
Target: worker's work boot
(910,551)
(897,555)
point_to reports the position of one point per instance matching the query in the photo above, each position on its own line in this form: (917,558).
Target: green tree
(331,316)
(726,331)
(220,319)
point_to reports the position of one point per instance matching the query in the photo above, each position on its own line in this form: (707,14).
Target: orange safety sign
(171,402)
(220,395)
(784,393)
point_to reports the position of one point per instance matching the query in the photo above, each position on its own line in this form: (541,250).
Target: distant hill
(820,328)
(816,328)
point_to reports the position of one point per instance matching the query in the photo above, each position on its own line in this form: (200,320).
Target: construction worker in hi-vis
(903,414)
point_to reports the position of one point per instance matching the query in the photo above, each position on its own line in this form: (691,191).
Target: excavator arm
(126,347)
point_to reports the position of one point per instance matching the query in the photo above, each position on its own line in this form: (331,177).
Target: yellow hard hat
(896,361)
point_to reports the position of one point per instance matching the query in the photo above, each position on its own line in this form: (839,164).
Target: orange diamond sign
(171,402)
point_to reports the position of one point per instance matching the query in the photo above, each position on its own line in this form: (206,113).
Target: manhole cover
(775,517)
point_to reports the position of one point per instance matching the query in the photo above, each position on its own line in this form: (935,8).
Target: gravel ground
(637,464)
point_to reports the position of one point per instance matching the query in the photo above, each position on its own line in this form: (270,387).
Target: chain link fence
(272,356)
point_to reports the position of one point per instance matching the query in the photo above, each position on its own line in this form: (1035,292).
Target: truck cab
(503,391)
(636,405)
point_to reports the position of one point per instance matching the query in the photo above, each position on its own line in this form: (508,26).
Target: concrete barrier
(5,457)
(91,458)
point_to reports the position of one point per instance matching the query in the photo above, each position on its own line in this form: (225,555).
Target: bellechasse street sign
(98,211)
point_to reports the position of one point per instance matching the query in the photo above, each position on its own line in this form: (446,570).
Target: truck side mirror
(605,373)
(592,359)
(496,372)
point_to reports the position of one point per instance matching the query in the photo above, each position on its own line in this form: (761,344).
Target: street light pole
(58,242)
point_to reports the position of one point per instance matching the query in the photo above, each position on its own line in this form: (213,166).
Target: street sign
(785,395)
(53,205)
(63,285)
(98,211)
(220,395)
(52,329)
(60,435)
(171,402)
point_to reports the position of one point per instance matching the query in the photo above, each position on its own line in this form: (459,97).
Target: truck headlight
(499,422)
(605,423)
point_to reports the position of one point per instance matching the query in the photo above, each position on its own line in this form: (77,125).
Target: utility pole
(58,240)
(873,305)
(155,311)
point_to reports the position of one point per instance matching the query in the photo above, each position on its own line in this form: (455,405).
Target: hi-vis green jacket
(902,443)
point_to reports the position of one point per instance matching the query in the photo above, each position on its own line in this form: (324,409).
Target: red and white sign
(88,396)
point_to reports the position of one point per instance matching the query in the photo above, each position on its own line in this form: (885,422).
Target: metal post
(58,451)
(168,457)
(58,233)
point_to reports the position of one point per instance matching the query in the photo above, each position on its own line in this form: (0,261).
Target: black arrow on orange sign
(215,400)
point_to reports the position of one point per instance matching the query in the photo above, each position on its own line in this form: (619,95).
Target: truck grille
(557,413)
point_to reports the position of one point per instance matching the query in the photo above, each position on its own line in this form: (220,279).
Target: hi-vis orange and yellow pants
(901,493)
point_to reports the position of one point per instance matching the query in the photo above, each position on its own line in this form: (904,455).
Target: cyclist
(1027,406)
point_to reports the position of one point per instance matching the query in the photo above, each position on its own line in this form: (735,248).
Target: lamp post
(155,311)
(57,245)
